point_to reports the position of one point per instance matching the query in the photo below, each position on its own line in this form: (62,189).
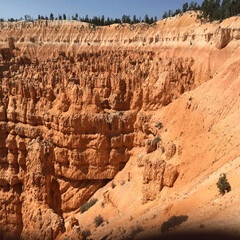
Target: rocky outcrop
(224,39)
(157,175)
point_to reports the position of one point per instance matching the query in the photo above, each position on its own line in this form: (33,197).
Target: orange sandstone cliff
(153,109)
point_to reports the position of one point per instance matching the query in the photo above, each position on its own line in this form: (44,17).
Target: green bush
(98,220)
(86,233)
(223,184)
(172,222)
(159,125)
(113,185)
(156,140)
(87,205)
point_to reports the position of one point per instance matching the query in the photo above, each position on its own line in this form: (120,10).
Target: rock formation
(76,102)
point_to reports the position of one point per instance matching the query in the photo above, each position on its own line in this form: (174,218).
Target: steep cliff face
(76,102)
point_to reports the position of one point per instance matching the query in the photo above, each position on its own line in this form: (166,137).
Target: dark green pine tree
(117,20)
(185,7)
(216,10)
(146,19)
(211,10)
(64,16)
(193,6)
(238,7)
(51,17)
(223,184)
(205,9)
(178,11)
(234,7)
(128,19)
(134,21)
(102,20)
(94,20)
(99,21)
(108,21)
(151,20)
(165,15)
(124,18)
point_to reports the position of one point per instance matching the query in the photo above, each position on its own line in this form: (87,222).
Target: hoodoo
(107,132)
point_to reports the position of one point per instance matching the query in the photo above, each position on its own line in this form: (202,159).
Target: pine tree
(178,11)
(128,19)
(234,6)
(237,8)
(150,20)
(217,10)
(94,20)
(223,184)
(64,16)
(124,18)
(193,6)
(185,7)
(108,21)
(146,19)
(102,20)
(205,9)
(28,18)
(134,21)
(51,16)
(165,15)
(86,19)
(98,21)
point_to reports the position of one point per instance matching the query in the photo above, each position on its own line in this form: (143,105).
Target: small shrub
(156,140)
(172,222)
(122,183)
(135,231)
(223,184)
(113,185)
(159,125)
(163,150)
(98,220)
(103,204)
(87,205)
(86,233)
(121,114)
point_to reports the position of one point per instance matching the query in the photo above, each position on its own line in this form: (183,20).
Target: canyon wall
(75,100)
